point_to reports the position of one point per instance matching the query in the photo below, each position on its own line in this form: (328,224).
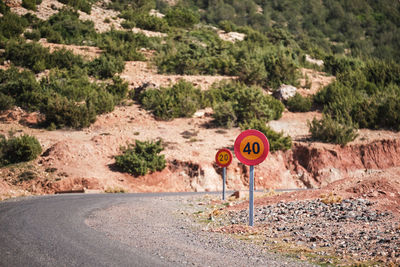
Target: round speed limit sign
(251,147)
(223,157)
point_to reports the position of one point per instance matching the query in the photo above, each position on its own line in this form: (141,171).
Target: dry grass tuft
(116,189)
(331,198)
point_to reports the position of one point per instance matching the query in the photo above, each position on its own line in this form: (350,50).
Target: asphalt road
(50,231)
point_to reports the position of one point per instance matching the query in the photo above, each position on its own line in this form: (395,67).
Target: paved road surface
(51,231)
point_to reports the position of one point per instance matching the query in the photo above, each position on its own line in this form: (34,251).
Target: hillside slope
(83,159)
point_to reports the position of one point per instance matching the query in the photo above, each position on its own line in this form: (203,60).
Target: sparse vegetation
(27,176)
(141,158)
(115,190)
(331,198)
(366,92)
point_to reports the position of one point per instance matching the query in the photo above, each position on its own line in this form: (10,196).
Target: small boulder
(285,92)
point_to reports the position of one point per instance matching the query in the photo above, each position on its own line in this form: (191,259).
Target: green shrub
(181,17)
(224,114)
(22,87)
(141,18)
(126,24)
(355,99)
(336,64)
(247,103)
(118,89)
(26,176)
(141,158)
(298,103)
(227,26)
(30,55)
(29,4)
(6,102)
(332,131)
(125,44)
(196,52)
(180,100)
(12,25)
(83,5)
(151,23)
(33,35)
(18,149)
(267,66)
(106,66)
(388,115)
(277,141)
(65,59)
(73,84)
(66,27)
(3,7)
(66,97)
(61,112)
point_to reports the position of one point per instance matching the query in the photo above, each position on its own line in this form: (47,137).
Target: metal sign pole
(223,182)
(251,196)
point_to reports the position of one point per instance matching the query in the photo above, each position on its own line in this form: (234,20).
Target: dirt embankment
(318,165)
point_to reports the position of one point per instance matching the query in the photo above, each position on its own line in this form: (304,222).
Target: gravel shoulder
(169,229)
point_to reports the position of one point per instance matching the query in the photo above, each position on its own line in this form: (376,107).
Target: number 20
(255,148)
(223,157)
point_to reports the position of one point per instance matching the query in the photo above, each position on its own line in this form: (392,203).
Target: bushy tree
(106,66)
(246,103)
(12,25)
(66,27)
(84,5)
(141,158)
(61,112)
(22,87)
(299,103)
(332,131)
(18,149)
(6,102)
(31,55)
(180,100)
(31,4)
(181,17)
(118,88)
(4,8)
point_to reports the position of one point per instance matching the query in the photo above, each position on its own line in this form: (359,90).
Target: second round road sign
(223,157)
(251,147)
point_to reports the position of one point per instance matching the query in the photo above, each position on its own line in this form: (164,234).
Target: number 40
(255,148)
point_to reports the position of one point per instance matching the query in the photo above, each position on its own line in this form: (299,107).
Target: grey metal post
(223,182)
(251,196)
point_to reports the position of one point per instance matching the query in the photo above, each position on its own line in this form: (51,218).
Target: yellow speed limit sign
(251,147)
(223,157)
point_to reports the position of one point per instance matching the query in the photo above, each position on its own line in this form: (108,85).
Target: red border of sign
(239,139)
(230,159)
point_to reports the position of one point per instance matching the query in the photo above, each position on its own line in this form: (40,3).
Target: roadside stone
(351,227)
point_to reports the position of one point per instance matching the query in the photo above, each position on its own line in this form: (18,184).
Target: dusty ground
(351,221)
(177,237)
